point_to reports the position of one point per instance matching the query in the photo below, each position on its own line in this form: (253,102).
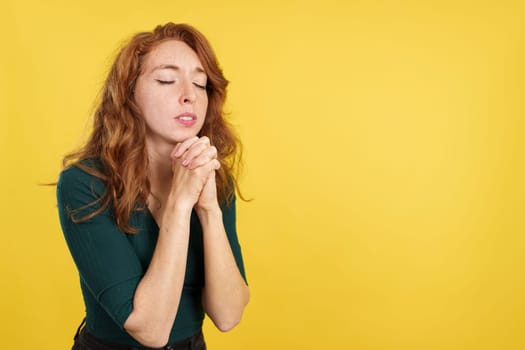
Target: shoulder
(83,170)
(79,179)
(77,174)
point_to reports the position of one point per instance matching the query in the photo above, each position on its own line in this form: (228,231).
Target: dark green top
(111,263)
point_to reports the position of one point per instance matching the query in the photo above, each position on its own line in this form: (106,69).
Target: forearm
(157,296)
(225,294)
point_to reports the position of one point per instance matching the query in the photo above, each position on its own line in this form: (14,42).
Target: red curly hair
(117,140)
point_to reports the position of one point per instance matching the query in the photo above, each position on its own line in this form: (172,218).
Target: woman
(147,206)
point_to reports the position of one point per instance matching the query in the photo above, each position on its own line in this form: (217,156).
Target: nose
(187,95)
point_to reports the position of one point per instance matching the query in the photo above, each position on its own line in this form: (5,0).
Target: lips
(186,118)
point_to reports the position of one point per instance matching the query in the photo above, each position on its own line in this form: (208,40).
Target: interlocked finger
(195,150)
(206,156)
(182,147)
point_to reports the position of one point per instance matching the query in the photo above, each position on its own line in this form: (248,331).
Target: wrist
(208,212)
(180,206)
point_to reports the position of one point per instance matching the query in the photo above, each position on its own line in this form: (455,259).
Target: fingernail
(185,162)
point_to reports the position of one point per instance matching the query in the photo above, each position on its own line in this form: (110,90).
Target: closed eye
(165,82)
(200,86)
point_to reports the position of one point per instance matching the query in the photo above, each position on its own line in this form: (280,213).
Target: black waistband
(88,339)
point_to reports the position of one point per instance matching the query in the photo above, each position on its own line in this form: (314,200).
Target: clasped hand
(194,163)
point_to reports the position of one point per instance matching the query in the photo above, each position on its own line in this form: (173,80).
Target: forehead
(174,53)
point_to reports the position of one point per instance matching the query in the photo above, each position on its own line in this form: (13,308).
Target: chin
(181,137)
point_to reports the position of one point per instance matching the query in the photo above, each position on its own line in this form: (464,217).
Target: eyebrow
(176,68)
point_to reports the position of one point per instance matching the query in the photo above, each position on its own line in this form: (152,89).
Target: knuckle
(197,148)
(191,141)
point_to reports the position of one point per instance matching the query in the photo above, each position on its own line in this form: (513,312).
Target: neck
(160,170)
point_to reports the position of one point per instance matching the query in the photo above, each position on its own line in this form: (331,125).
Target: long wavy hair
(117,140)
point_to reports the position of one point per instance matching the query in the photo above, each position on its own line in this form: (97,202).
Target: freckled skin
(162,93)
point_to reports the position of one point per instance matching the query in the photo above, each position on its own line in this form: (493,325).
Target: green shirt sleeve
(229,220)
(105,259)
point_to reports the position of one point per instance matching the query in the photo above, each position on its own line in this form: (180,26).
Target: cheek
(204,103)
(140,97)
(148,102)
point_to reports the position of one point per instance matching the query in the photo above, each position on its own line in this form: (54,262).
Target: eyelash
(167,82)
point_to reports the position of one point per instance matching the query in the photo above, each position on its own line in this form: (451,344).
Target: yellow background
(384,146)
